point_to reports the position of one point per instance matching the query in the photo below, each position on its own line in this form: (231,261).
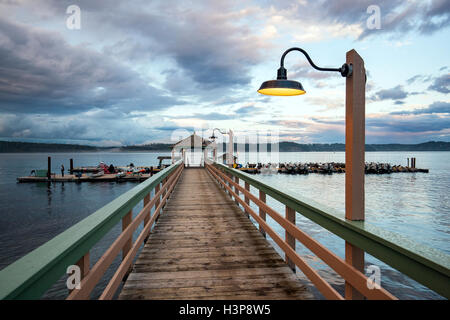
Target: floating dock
(325,168)
(87,178)
(88,173)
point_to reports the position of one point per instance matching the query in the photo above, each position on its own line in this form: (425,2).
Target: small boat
(98,174)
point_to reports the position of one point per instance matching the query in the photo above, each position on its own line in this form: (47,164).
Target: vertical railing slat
(262,213)
(236,179)
(290,216)
(126,220)
(247,200)
(147,199)
(157,188)
(164,191)
(84,264)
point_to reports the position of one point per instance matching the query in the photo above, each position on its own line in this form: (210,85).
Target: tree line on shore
(17,147)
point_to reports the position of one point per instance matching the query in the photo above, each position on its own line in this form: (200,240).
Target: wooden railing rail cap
(413,259)
(30,276)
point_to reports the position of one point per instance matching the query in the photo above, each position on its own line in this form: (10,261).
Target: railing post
(84,264)
(147,199)
(71,166)
(236,190)
(229,184)
(290,216)
(164,190)
(126,220)
(49,168)
(354,159)
(157,188)
(262,214)
(158,199)
(247,200)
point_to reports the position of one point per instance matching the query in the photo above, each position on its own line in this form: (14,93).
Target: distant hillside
(11,147)
(285,146)
(149,147)
(426,146)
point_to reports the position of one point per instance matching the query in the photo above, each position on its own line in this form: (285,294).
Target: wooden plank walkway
(204,247)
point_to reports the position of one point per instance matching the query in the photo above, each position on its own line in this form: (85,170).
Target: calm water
(412,204)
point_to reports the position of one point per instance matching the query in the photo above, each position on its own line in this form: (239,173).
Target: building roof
(193,141)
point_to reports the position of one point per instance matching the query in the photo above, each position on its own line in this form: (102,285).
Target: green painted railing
(426,265)
(32,275)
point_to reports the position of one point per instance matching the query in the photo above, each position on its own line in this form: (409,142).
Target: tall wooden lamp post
(354,72)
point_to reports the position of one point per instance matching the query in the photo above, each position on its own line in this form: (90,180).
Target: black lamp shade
(281,88)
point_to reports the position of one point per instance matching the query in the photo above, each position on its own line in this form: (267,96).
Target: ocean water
(415,205)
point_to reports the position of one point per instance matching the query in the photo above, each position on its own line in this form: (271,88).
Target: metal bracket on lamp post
(346,70)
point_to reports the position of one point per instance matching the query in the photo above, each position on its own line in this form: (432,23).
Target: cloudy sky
(138,71)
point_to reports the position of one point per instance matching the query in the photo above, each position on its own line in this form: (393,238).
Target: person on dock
(62,170)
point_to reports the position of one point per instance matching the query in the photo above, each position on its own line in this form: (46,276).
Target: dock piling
(49,168)
(71,166)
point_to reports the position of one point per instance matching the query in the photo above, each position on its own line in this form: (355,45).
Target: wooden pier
(205,247)
(197,241)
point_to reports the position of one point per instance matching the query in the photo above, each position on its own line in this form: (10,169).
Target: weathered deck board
(204,247)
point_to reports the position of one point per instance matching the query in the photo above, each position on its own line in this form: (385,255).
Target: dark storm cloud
(247,110)
(424,120)
(396,93)
(85,127)
(419,77)
(216,56)
(241,112)
(435,107)
(441,84)
(174,128)
(418,120)
(413,124)
(212,116)
(436,16)
(398,17)
(41,73)
(423,123)
(206,40)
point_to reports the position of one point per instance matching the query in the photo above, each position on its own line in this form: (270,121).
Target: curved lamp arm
(345,70)
(213,137)
(219,131)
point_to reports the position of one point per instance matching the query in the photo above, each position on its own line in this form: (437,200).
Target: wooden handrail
(114,283)
(91,279)
(348,272)
(327,290)
(30,276)
(426,265)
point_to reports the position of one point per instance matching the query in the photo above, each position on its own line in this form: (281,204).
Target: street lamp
(213,137)
(284,87)
(230,159)
(354,72)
